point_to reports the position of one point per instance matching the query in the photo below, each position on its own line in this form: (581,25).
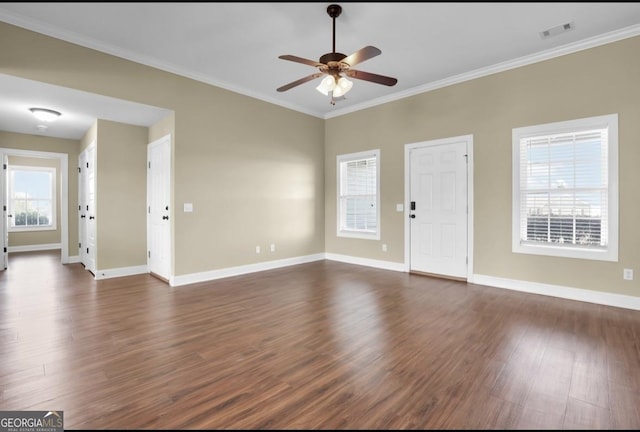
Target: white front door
(158,211)
(438,209)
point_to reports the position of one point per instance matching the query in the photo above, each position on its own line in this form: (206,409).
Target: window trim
(53,226)
(610,253)
(347,158)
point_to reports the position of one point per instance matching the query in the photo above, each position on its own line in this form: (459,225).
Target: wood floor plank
(323,345)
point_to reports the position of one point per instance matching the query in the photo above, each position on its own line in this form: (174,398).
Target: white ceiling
(236,45)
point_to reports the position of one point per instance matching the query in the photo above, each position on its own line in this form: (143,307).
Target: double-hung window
(565,189)
(359,195)
(32,192)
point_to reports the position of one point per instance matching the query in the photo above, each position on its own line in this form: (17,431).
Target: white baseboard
(589,296)
(385,265)
(122,271)
(73,259)
(240,270)
(33,248)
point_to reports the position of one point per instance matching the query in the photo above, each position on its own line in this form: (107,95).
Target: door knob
(412,216)
(165,217)
(92,217)
(83,216)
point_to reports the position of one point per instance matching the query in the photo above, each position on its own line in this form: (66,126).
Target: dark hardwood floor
(324,345)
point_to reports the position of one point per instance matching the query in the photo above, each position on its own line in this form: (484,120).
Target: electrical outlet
(627,274)
(257,249)
(273,247)
(384,248)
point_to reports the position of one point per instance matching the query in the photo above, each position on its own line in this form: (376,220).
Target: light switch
(399,207)
(188,207)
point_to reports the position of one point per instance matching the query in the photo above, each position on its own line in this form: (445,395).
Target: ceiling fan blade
(300,60)
(300,81)
(366,76)
(361,55)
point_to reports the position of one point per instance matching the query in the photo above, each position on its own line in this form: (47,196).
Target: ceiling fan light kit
(336,67)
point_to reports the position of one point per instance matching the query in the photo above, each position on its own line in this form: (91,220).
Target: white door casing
(63,158)
(158,207)
(438,222)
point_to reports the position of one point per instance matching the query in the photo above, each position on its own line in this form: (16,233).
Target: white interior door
(438,209)
(90,205)
(158,201)
(4,226)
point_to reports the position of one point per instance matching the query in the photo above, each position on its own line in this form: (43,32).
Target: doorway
(439,203)
(62,158)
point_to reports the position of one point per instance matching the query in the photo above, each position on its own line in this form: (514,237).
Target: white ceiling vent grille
(554,31)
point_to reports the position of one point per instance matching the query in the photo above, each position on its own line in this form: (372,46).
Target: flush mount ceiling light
(337,67)
(45,114)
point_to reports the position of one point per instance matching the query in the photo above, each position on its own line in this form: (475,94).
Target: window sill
(359,235)
(16,230)
(610,254)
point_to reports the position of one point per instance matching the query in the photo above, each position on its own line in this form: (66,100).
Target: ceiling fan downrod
(334,12)
(333,58)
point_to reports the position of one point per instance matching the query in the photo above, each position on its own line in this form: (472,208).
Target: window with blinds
(32,192)
(565,189)
(358,195)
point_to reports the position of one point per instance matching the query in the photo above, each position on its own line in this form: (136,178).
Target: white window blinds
(31,198)
(358,195)
(564,190)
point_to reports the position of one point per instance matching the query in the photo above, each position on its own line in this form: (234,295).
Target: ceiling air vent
(554,31)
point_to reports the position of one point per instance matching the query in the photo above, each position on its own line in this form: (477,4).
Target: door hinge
(79,245)
(87,250)
(87,164)
(5,250)
(79,170)
(4,166)
(149,254)
(149,209)
(4,207)
(149,165)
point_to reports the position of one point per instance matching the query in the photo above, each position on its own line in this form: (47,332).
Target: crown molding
(40,27)
(571,48)
(72,37)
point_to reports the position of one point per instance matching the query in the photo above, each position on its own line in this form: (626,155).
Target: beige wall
(121,195)
(598,81)
(166,126)
(89,137)
(54,145)
(253,170)
(258,174)
(31,238)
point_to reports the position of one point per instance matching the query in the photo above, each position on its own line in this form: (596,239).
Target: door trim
(64,191)
(407,196)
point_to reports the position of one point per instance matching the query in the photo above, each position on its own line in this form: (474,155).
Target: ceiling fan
(337,67)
